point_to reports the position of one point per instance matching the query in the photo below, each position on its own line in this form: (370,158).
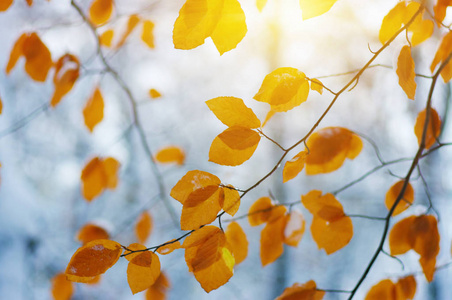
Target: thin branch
(366,217)
(394,257)
(271,140)
(24,121)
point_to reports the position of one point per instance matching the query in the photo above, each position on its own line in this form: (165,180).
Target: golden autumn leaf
(311,9)
(90,232)
(106,38)
(222,20)
(134,250)
(306,291)
(329,148)
(294,166)
(92,259)
(272,238)
(419,233)
(405,72)
(169,247)
(1,106)
(420,30)
(317,85)
(144,227)
(93,113)
(62,289)
(440,10)
(260,211)
(5,4)
(236,237)
(98,175)
(393,193)
(404,289)
(444,50)
(234,146)
(382,290)
(66,74)
(192,181)
(29,2)
(230,201)
(294,228)
(261,4)
(231,111)
(433,129)
(131,24)
(154,94)
(143,271)
(283,89)
(158,290)
(392,22)
(100,11)
(16,52)
(171,154)
(147,36)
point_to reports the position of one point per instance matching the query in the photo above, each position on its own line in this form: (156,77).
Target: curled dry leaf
(317,85)
(170,247)
(294,166)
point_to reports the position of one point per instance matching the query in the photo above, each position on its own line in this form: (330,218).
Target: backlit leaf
(91,232)
(260,211)
(444,50)
(261,4)
(158,290)
(234,146)
(231,200)
(440,10)
(394,191)
(143,271)
(29,2)
(62,289)
(404,289)
(147,35)
(106,38)
(192,181)
(154,94)
(382,290)
(329,148)
(5,4)
(100,11)
(66,74)
(294,166)
(237,239)
(144,227)
(283,89)
(294,228)
(171,154)
(16,52)
(170,247)
(97,175)
(405,72)
(131,24)
(93,259)
(306,291)
(93,112)
(392,22)
(316,85)
(433,129)
(420,29)
(311,9)
(232,111)
(138,248)
(272,238)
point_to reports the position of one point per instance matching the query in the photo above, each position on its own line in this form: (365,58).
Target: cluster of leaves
(211,253)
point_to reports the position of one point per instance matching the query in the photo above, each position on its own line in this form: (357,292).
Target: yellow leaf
(392,22)
(441,55)
(394,191)
(131,24)
(311,9)
(232,111)
(272,238)
(283,89)
(5,4)
(139,248)
(261,4)
(171,154)
(106,38)
(62,289)
(143,271)
(192,181)
(294,166)
(329,148)
(154,94)
(440,10)
(234,146)
(420,29)
(231,200)
(260,211)
(405,71)
(66,74)
(91,232)
(97,175)
(317,85)
(237,239)
(294,229)
(100,11)
(144,227)
(93,112)
(147,35)
(433,128)
(306,291)
(158,290)
(93,259)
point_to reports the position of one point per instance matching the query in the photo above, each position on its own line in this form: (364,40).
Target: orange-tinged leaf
(406,288)
(420,29)
(311,9)
(95,280)
(231,200)
(129,255)
(294,166)
(100,11)
(444,50)
(169,247)
(143,271)
(192,181)
(382,290)
(306,291)
(277,212)
(38,59)
(16,52)
(331,236)
(131,24)
(97,175)
(154,94)
(237,239)
(171,154)
(317,85)
(93,259)
(261,4)
(29,2)
(90,232)
(260,211)
(329,148)
(394,191)
(66,74)
(201,207)
(392,22)
(106,38)
(440,10)
(401,237)
(231,111)
(198,237)
(433,129)
(144,227)
(405,72)
(283,89)
(294,229)
(111,167)
(147,35)
(62,289)
(1,106)
(234,146)
(5,4)
(316,204)
(272,238)
(158,290)
(93,112)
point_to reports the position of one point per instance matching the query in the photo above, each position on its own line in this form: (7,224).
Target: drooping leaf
(392,22)
(66,74)
(317,85)
(98,175)
(260,211)
(433,129)
(192,181)
(261,4)
(237,239)
(171,154)
(93,259)
(311,9)
(90,232)
(159,289)
(93,113)
(135,250)
(420,29)
(404,289)
(440,10)
(444,50)
(294,166)
(147,36)
(405,72)
(62,289)
(232,111)
(306,291)
(143,271)
(234,146)
(283,89)
(5,4)
(106,38)
(144,227)
(394,191)
(294,228)
(100,11)
(329,148)
(272,239)
(131,24)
